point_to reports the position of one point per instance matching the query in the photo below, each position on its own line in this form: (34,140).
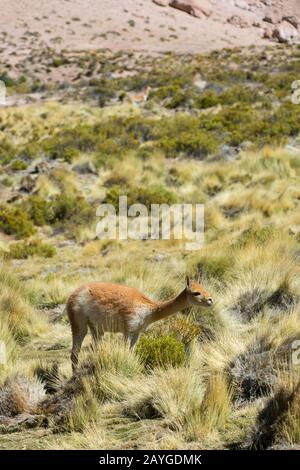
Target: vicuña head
(197,295)
(118,308)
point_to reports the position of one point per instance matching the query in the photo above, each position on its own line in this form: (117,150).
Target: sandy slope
(82,24)
(140,25)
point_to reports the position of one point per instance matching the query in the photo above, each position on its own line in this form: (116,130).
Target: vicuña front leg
(132,339)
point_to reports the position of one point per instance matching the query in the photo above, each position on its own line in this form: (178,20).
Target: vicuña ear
(199,277)
(187,281)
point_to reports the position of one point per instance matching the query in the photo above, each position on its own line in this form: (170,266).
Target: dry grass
(237,387)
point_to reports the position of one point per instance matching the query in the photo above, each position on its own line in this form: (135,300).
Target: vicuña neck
(169,307)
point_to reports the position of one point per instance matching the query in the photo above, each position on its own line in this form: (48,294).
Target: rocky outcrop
(285,32)
(197,8)
(278,20)
(162,3)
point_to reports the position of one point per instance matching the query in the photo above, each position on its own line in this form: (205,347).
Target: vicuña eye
(196,293)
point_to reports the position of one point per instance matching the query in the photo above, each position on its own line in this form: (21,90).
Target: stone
(268,33)
(40,166)
(293,20)
(162,3)
(85,168)
(228,153)
(197,8)
(27,184)
(285,33)
(270,19)
(199,83)
(238,21)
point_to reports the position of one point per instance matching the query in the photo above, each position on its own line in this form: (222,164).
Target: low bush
(18,165)
(258,236)
(60,208)
(161,351)
(15,221)
(24,250)
(147,195)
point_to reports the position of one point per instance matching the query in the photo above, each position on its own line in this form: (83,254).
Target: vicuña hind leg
(97,335)
(78,337)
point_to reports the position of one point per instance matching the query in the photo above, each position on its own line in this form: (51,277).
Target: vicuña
(118,308)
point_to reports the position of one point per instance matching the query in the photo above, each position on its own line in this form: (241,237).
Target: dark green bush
(215,267)
(257,235)
(69,208)
(61,208)
(15,221)
(147,195)
(24,250)
(161,351)
(37,209)
(18,165)
(207,99)
(7,151)
(185,136)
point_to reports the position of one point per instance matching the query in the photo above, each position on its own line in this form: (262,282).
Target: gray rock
(41,165)
(246,145)
(228,153)
(286,33)
(293,20)
(85,168)
(27,184)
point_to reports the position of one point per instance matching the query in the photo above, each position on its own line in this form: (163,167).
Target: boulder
(162,3)
(197,8)
(285,33)
(238,21)
(268,33)
(270,19)
(293,20)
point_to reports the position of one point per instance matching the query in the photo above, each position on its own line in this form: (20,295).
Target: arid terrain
(94,112)
(141,25)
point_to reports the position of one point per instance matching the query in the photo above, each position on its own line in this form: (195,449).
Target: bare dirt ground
(32,31)
(120,25)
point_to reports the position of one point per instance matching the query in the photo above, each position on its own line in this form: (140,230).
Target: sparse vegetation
(24,250)
(215,129)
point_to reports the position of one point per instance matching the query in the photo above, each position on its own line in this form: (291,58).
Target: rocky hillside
(277,20)
(145,25)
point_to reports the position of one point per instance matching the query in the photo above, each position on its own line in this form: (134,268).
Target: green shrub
(214,266)
(10,82)
(15,221)
(174,94)
(61,208)
(258,235)
(68,143)
(182,327)
(7,152)
(147,195)
(185,135)
(37,209)
(24,250)
(69,208)
(160,351)
(18,165)
(207,99)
